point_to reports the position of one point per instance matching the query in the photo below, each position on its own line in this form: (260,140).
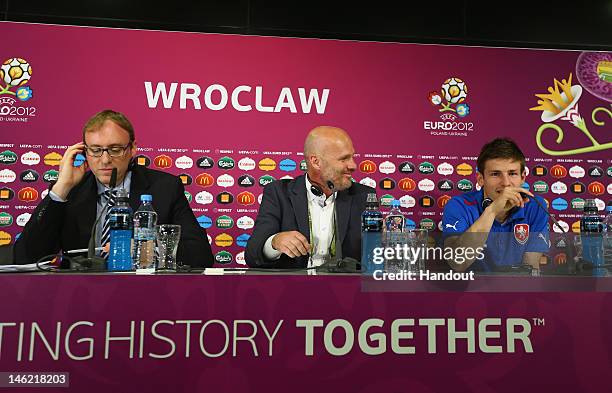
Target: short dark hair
(500,148)
(118,118)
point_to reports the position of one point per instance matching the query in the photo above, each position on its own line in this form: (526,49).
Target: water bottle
(119,256)
(145,219)
(607,237)
(591,231)
(371,228)
(393,231)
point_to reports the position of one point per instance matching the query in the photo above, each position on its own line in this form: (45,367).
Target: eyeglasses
(113,151)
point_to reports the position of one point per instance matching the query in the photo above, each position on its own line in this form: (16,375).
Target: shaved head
(328,152)
(322,138)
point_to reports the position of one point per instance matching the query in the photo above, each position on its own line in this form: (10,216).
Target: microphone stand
(93,261)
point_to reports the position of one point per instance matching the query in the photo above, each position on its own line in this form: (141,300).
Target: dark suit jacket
(284,207)
(56,226)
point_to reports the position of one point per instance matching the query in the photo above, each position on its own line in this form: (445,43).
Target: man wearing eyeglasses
(63,220)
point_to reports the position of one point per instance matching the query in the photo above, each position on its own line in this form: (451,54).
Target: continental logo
(204,180)
(142,160)
(225,198)
(267,164)
(223,258)
(596,188)
(558,171)
(6,194)
(578,188)
(52,159)
(443,200)
(27,194)
(245,198)
(8,157)
(367,166)
(224,240)
(407,184)
(5,238)
(539,170)
(185,179)
(224,222)
(576,227)
(464,169)
(426,168)
(226,163)
(387,184)
(162,161)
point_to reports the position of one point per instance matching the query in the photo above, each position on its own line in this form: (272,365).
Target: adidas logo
(29,176)
(246,182)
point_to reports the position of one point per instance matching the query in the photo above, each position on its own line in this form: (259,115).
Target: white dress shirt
(322,228)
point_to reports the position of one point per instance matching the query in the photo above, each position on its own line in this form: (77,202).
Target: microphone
(330,185)
(92,260)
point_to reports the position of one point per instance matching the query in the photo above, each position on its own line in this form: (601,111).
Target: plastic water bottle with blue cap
(145,220)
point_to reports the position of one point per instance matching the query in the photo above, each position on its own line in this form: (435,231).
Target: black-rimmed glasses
(113,151)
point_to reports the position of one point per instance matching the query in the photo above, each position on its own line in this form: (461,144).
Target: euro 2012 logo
(16,73)
(454,92)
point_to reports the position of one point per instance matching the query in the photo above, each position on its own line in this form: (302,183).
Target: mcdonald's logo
(367,166)
(407,184)
(163,161)
(443,200)
(560,259)
(558,171)
(245,198)
(204,180)
(27,194)
(596,188)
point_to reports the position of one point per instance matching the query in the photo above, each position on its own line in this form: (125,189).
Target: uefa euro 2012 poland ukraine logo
(15,74)
(451,104)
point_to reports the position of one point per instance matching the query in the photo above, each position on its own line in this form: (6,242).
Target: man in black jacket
(63,220)
(314,217)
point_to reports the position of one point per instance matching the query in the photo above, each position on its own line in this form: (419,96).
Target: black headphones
(316,190)
(486,203)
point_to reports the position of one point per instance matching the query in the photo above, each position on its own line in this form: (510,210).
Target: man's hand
(509,198)
(69,175)
(292,243)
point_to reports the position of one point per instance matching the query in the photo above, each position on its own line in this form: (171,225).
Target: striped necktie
(109,198)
